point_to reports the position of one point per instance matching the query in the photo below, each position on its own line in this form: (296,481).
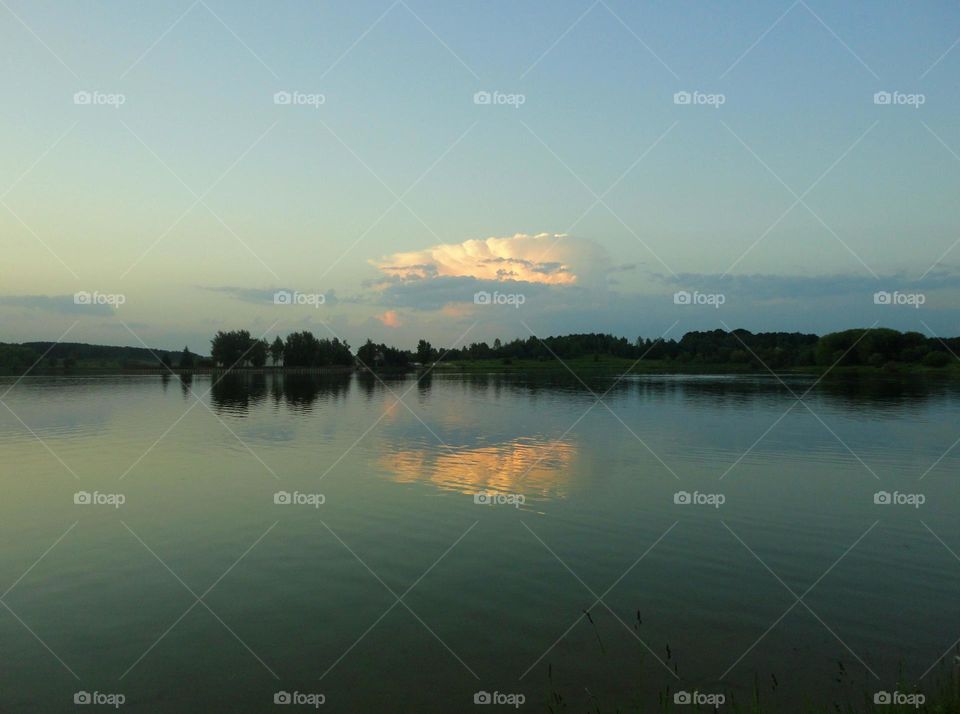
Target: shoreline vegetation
(855,352)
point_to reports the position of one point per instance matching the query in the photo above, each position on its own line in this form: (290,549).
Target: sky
(463,171)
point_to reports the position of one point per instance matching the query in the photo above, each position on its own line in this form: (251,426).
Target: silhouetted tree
(230,348)
(367,353)
(186,359)
(373,355)
(301,349)
(276,350)
(258,353)
(425,352)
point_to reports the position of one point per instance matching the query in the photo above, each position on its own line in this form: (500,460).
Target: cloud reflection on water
(538,468)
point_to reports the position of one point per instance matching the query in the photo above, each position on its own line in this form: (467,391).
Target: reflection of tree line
(851,391)
(240,391)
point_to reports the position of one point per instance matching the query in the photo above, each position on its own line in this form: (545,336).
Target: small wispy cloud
(262,296)
(389,319)
(59,304)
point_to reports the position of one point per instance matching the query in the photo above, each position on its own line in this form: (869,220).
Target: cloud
(60,304)
(545,258)
(389,318)
(772,287)
(440,293)
(262,296)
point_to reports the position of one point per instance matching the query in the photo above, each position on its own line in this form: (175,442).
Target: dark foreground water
(183,585)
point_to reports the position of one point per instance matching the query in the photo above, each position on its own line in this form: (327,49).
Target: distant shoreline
(177,371)
(874,351)
(581,366)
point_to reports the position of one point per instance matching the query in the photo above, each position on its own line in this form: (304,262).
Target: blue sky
(185,188)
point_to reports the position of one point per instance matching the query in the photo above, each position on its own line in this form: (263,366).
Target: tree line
(238,348)
(857,347)
(879,347)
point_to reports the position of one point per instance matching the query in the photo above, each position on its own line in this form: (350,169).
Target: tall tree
(258,353)
(186,359)
(367,353)
(424,352)
(230,348)
(302,349)
(276,350)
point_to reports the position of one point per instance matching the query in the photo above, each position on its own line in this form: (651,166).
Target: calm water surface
(401,593)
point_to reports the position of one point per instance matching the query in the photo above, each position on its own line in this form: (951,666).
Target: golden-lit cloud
(547,258)
(389,319)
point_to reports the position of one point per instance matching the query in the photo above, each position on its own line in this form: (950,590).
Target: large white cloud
(547,258)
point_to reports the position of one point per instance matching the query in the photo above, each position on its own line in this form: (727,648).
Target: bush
(936,359)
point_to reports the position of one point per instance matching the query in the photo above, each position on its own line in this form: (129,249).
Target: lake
(216,546)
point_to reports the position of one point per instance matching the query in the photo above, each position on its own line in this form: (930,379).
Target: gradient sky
(399,198)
